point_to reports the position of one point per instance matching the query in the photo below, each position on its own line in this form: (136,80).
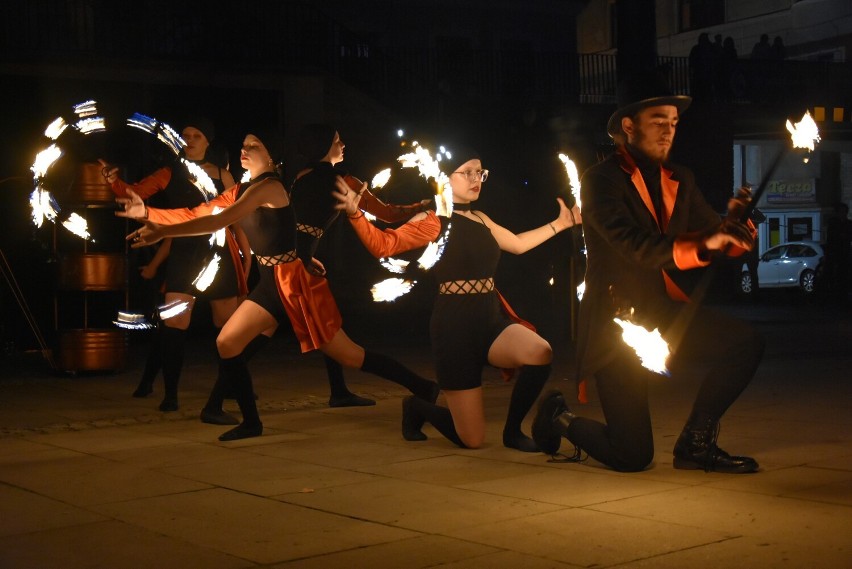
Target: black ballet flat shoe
(520,441)
(169,404)
(144,389)
(412,422)
(544,431)
(218,417)
(242,432)
(350,400)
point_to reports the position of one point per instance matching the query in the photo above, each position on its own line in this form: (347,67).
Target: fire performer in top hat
(187,257)
(645,221)
(471,325)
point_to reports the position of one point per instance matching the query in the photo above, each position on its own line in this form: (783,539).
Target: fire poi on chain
(429,167)
(574,184)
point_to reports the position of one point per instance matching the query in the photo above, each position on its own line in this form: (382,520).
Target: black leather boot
(551,422)
(696,449)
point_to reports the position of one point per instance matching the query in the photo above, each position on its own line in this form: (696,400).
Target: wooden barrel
(92,350)
(90,187)
(93,271)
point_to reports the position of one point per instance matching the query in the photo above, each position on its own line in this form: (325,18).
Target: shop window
(800,228)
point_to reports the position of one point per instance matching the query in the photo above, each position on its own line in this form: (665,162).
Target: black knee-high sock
(528,386)
(236,374)
(440,417)
(336,381)
(391,369)
(154,361)
(174,340)
(220,388)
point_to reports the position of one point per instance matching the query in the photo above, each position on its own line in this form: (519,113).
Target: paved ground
(90,477)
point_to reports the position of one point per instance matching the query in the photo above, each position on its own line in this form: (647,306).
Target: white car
(786,265)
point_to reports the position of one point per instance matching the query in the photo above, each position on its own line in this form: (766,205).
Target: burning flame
(397,266)
(652,349)
(380,179)
(200,179)
(77,225)
(573,177)
(132,321)
(44,160)
(804,133)
(43,206)
(207,274)
(581,290)
(391,289)
(164,132)
(90,125)
(55,128)
(434,251)
(430,168)
(219,237)
(86,109)
(172,309)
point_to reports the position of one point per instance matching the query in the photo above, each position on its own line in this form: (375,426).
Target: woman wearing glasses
(471,325)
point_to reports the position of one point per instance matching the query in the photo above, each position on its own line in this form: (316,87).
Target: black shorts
(265,294)
(462,329)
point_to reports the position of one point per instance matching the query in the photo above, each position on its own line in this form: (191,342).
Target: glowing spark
(652,349)
(86,109)
(207,274)
(172,309)
(380,179)
(200,179)
(77,225)
(43,206)
(55,128)
(391,289)
(400,133)
(132,321)
(573,177)
(581,290)
(550,282)
(90,125)
(804,133)
(45,160)
(397,266)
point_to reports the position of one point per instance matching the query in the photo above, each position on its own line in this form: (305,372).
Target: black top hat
(640,91)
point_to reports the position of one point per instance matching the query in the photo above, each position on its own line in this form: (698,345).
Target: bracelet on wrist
(355,215)
(553,228)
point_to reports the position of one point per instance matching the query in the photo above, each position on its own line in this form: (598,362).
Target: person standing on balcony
(471,325)
(645,221)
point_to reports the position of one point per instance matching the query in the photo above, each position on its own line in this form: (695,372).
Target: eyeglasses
(474,175)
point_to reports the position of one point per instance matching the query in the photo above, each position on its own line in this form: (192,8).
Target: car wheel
(807,281)
(746,283)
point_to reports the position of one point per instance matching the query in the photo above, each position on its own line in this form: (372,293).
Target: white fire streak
(207,274)
(581,290)
(43,206)
(397,266)
(45,160)
(56,128)
(86,108)
(430,168)
(166,134)
(804,133)
(246,177)
(172,309)
(77,225)
(219,237)
(132,321)
(380,179)
(391,289)
(91,124)
(200,179)
(434,251)
(573,177)
(652,349)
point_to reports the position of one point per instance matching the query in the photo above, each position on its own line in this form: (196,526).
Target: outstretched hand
(134,207)
(568,217)
(348,199)
(108,171)
(146,235)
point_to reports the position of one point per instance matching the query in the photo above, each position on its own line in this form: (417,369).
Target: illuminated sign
(791,191)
